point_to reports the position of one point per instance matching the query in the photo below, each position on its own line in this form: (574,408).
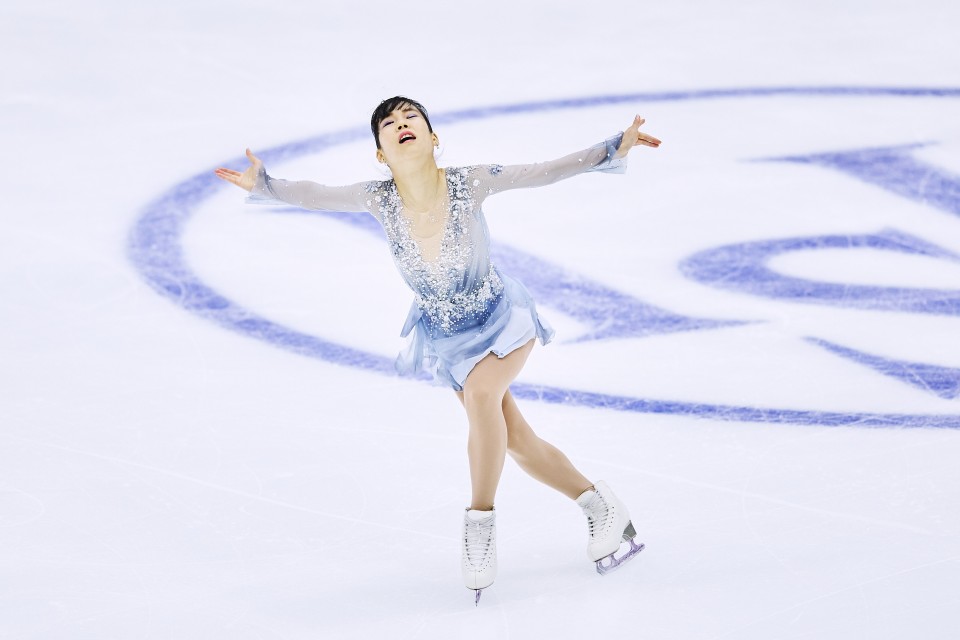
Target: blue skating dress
(463,307)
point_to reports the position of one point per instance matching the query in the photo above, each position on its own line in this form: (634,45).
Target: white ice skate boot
(609,524)
(479,557)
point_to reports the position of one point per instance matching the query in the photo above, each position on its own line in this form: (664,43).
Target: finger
(228,173)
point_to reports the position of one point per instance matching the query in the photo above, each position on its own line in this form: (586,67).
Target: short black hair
(387,107)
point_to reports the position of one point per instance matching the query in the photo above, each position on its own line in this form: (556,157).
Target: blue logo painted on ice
(155,249)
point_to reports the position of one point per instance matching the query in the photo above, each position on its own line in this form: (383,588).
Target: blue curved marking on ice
(613,313)
(742,267)
(154,249)
(732,413)
(940,381)
(894,169)
(616,314)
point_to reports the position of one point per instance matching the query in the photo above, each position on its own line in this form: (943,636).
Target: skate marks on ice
(154,247)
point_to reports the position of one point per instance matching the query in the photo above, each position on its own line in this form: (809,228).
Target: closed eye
(386,123)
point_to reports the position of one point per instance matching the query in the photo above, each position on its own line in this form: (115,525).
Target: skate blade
(616,562)
(477,601)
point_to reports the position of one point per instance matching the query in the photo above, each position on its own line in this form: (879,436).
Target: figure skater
(470,325)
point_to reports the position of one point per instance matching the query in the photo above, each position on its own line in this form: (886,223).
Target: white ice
(165,476)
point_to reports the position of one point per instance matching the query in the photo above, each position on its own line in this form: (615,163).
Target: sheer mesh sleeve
(599,157)
(307,194)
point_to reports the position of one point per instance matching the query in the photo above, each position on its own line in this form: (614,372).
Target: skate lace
(598,513)
(478,537)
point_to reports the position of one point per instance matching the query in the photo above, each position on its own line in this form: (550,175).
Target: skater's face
(403,134)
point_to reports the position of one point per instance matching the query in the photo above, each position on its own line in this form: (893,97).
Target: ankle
(590,488)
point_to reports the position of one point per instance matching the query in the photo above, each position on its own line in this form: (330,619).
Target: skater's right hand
(244,180)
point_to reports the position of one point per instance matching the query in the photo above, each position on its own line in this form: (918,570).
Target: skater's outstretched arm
(608,156)
(265,189)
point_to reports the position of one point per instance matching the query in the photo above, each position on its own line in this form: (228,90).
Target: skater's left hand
(632,136)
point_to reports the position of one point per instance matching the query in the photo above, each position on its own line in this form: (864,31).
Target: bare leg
(482,397)
(540,459)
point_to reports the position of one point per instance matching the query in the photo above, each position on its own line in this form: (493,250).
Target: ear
(380,158)
(436,140)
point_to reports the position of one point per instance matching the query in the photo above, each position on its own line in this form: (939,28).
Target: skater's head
(400,126)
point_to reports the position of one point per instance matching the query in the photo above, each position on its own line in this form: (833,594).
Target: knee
(481,398)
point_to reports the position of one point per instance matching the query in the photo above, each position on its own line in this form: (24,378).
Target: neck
(418,183)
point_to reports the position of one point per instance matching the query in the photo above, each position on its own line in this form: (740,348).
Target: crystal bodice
(460,281)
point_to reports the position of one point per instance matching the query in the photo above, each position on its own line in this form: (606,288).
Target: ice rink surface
(757,325)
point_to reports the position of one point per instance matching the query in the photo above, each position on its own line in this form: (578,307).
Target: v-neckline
(442,232)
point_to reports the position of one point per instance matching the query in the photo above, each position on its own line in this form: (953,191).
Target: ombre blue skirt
(509,322)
